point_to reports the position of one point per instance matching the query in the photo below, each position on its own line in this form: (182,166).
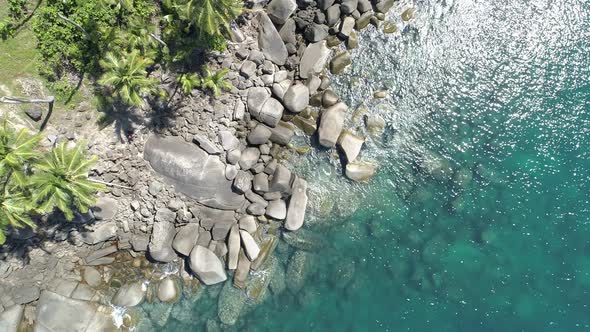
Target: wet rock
(308,126)
(259,135)
(350,144)
(297,205)
(278,282)
(250,246)
(249,158)
(105,208)
(297,270)
(100,233)
(340,62)
(374,124)
(360,171)
(270,42)
(169,290)
(296,98)
(59,313)
(329,98)
(282,133)
(207,266)
(276,209)
(384,6)
(280,10)
(380,94)
(352,42)
(314,59)
(408,14)
(242,272)
(186,238)
(363,21)
(436,166)
(230,304)
(305,240)
(192,172)
(206,145)
(10,318)
(233,244)
(389,27)
(160,246)
(331,124)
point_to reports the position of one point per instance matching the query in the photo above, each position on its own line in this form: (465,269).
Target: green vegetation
(35,182)
(215,81)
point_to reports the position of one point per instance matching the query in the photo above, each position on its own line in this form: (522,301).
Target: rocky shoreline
(207,196)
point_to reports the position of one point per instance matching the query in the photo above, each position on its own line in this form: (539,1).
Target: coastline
(160,207)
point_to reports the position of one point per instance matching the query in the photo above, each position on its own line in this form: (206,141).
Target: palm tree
(211,17)
(61,181)
(17,152)
(127,75)
(215,81)
(188,82)
(15,208)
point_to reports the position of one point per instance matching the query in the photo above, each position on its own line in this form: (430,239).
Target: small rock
(206,145)
(34,112)
(250,246)
(249,158)
(280,10)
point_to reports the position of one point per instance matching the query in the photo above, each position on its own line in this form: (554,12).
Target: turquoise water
(492,232)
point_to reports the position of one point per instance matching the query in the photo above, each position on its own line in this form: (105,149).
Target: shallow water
(492,232)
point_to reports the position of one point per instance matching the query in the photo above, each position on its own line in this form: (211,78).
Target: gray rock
(233,245)
(221,228)
(92,276)
(239,110)
(360,171)
(233,156)
(248,69)
(207,266)
(271,112)
(313,84)
(174,205)
(155,188)
(257,96)
(186,239)
(100,233)
(228,140)
(280,10)
(347,26)
(296,99)
(260,183)
(248,223)
(230,172)
(364,6)
(276,209)
(256,56)
(329,98)
(270,42)
(59,313)
(333,15)
(11,318)
(34,112)
(243,182)
(130,295)
(348,6)
(242,272)
(160,247)
(325,4)
(287,32)
(316,32)
(281,180)
(250,246)
(105,208)
(256,209)
(249,158)
(340,62)
(98,255)
(83,292)
(282,133)
(165,215)
(259,135)
(204,239)
(207,145)
(139,242)
(314,59)
(169,290)
(279,89)
(297,205)
(350,144)
(193,172)
(331,124)
(25,294)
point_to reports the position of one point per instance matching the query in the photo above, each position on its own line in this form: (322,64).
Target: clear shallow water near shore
(495,237)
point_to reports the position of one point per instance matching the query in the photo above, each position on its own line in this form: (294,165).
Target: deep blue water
(492,233)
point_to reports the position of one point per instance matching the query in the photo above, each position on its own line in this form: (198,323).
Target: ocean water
(479,217)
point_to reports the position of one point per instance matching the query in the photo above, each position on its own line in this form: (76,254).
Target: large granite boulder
(130,295)
(160,246)
(186,238)
(280,10)
(207,266)
(314,59)
(59,313)
(257,96)
(331,124)
(10,318)
(270,41)
(297,205)
(296,98)
(192,171)
(271,112)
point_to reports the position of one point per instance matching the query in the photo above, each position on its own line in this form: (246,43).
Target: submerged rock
(305,239)
(130,295)
(230,304)
(297,270)
(340,62)
(59,313)
(169,290)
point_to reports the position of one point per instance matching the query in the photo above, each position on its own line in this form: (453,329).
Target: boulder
(186,238)
(228,140)
(243,271)
(333,15)
(105,208)
(331,124)
(256,209)
(282,133)
(34,112)
(360,171)
(287,32)
(340,62)
(270,41)
(192,172)
(10,318)
(297,205)
(233,245)
(169,290)
(221,228)
(280,10)
(325,4)
(315,32)
(92,276)
(260,183)
(249,158)
(296,98)
(100,233)
(243,182)
(160,247)
(347,26)
(259,135)
(276,209)
(207,145)
(348,6)
(231,171)
(314,59)
(165,215)
(281,180)
(257,96)
(250,246)
(271,112)
(230,304)
(329,98)
(248,69)
(350,144)
(233,156)
(207,266)
(279,89)
(130,295)
(59,313)
(248,223)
